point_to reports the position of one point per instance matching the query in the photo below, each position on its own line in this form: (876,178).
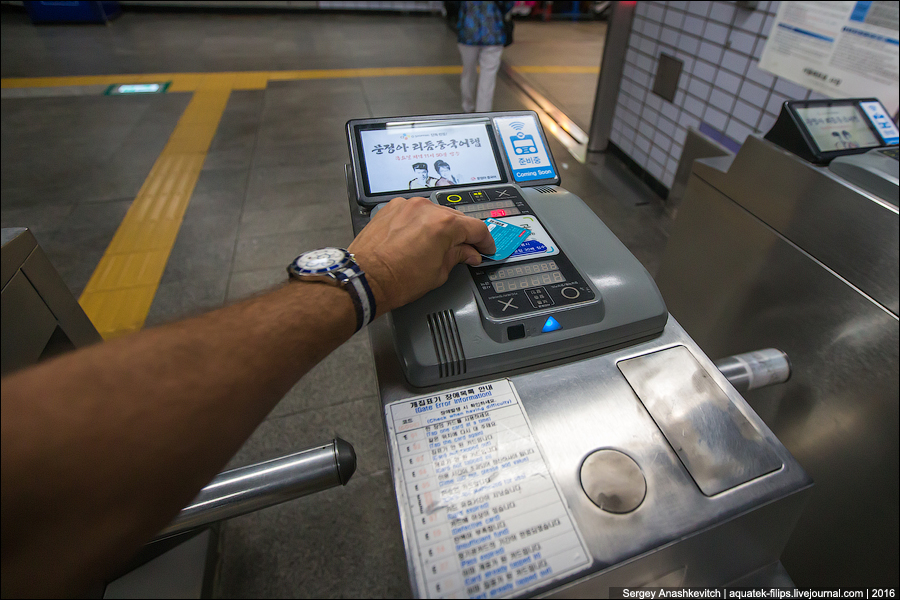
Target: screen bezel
(828,155)
(357,180)
(478,120)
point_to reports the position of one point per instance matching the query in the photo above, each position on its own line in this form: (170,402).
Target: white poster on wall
(839,49)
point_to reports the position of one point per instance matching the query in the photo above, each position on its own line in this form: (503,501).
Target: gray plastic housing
(442,337)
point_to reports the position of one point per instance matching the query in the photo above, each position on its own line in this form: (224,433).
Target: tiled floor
(561,44)
(272,186)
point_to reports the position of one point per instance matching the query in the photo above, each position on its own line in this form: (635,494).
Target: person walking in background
(484,28)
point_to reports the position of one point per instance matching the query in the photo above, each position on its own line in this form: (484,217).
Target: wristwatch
(337,267)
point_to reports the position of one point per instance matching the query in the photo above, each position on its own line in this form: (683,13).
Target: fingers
(467,230)
(476,234)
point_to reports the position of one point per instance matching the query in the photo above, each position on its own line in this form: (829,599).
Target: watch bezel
(325,273)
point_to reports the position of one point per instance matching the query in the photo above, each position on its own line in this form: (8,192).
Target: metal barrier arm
(247,489)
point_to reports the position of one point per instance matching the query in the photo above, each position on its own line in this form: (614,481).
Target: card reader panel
(509,290)
(450,334)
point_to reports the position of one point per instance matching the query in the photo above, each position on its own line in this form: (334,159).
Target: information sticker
(482,516)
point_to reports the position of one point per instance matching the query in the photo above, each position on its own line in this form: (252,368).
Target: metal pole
(247,489)
(754,370)
(611,69)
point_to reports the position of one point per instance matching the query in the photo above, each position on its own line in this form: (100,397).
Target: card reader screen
(520,277)
(838,127)
(403,156)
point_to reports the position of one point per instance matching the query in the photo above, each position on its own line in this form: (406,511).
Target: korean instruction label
(483,518)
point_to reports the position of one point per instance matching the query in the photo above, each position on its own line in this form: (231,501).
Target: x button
(507,304)
(503,193)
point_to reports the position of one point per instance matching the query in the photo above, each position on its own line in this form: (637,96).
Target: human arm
(102,447)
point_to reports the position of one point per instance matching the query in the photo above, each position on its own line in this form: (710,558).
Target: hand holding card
(507,237)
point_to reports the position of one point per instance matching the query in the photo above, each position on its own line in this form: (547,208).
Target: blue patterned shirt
(481,23)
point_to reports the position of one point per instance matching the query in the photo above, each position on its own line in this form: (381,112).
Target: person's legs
(489,63)
(469,77)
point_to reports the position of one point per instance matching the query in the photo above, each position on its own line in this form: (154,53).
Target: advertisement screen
(838,127)
(407,156)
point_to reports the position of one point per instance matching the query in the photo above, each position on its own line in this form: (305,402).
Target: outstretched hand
(410,246)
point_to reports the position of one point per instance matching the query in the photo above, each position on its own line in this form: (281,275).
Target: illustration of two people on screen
(423,178)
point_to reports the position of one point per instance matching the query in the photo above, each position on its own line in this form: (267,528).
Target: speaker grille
(547,189)
(447,344)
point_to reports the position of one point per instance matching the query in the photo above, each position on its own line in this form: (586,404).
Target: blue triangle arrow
(551,325)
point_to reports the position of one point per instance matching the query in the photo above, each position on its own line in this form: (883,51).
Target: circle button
(570,293)
(454,198)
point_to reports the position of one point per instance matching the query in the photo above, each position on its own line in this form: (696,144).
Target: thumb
(462,253)
(469,255)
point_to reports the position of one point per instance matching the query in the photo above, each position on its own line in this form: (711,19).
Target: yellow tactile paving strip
(118,295)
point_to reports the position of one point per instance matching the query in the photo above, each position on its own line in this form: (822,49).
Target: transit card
(507,237)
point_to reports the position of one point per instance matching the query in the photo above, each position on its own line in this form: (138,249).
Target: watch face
(322,261)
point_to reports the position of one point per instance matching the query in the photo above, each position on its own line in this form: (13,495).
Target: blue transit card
(507,238)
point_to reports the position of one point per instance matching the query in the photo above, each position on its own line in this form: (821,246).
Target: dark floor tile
(305,156)
(305,217)
(75,254)
(341,543)
(245,103)
(198,259)
(233,133)
(346,374)
(270,251)
(186,298)
(40,219)
(219,190)
(296,129)
(394,88)
(356,421)
(244,284)
(297,91)
(413,106)
(236,158)
(103,216)
(280,187)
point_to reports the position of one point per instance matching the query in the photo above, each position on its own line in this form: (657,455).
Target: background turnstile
(770,250)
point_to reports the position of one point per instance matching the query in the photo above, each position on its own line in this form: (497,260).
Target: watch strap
(354,281)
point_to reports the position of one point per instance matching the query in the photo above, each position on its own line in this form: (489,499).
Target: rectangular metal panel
(851,231)
(716,443)
(27,324)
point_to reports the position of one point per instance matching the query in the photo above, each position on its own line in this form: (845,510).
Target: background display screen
(520,277)
(411,156)
(838,127)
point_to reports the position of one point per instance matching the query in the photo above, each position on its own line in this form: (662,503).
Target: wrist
(378,277)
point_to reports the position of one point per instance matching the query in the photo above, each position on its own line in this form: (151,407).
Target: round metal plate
(613,481)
